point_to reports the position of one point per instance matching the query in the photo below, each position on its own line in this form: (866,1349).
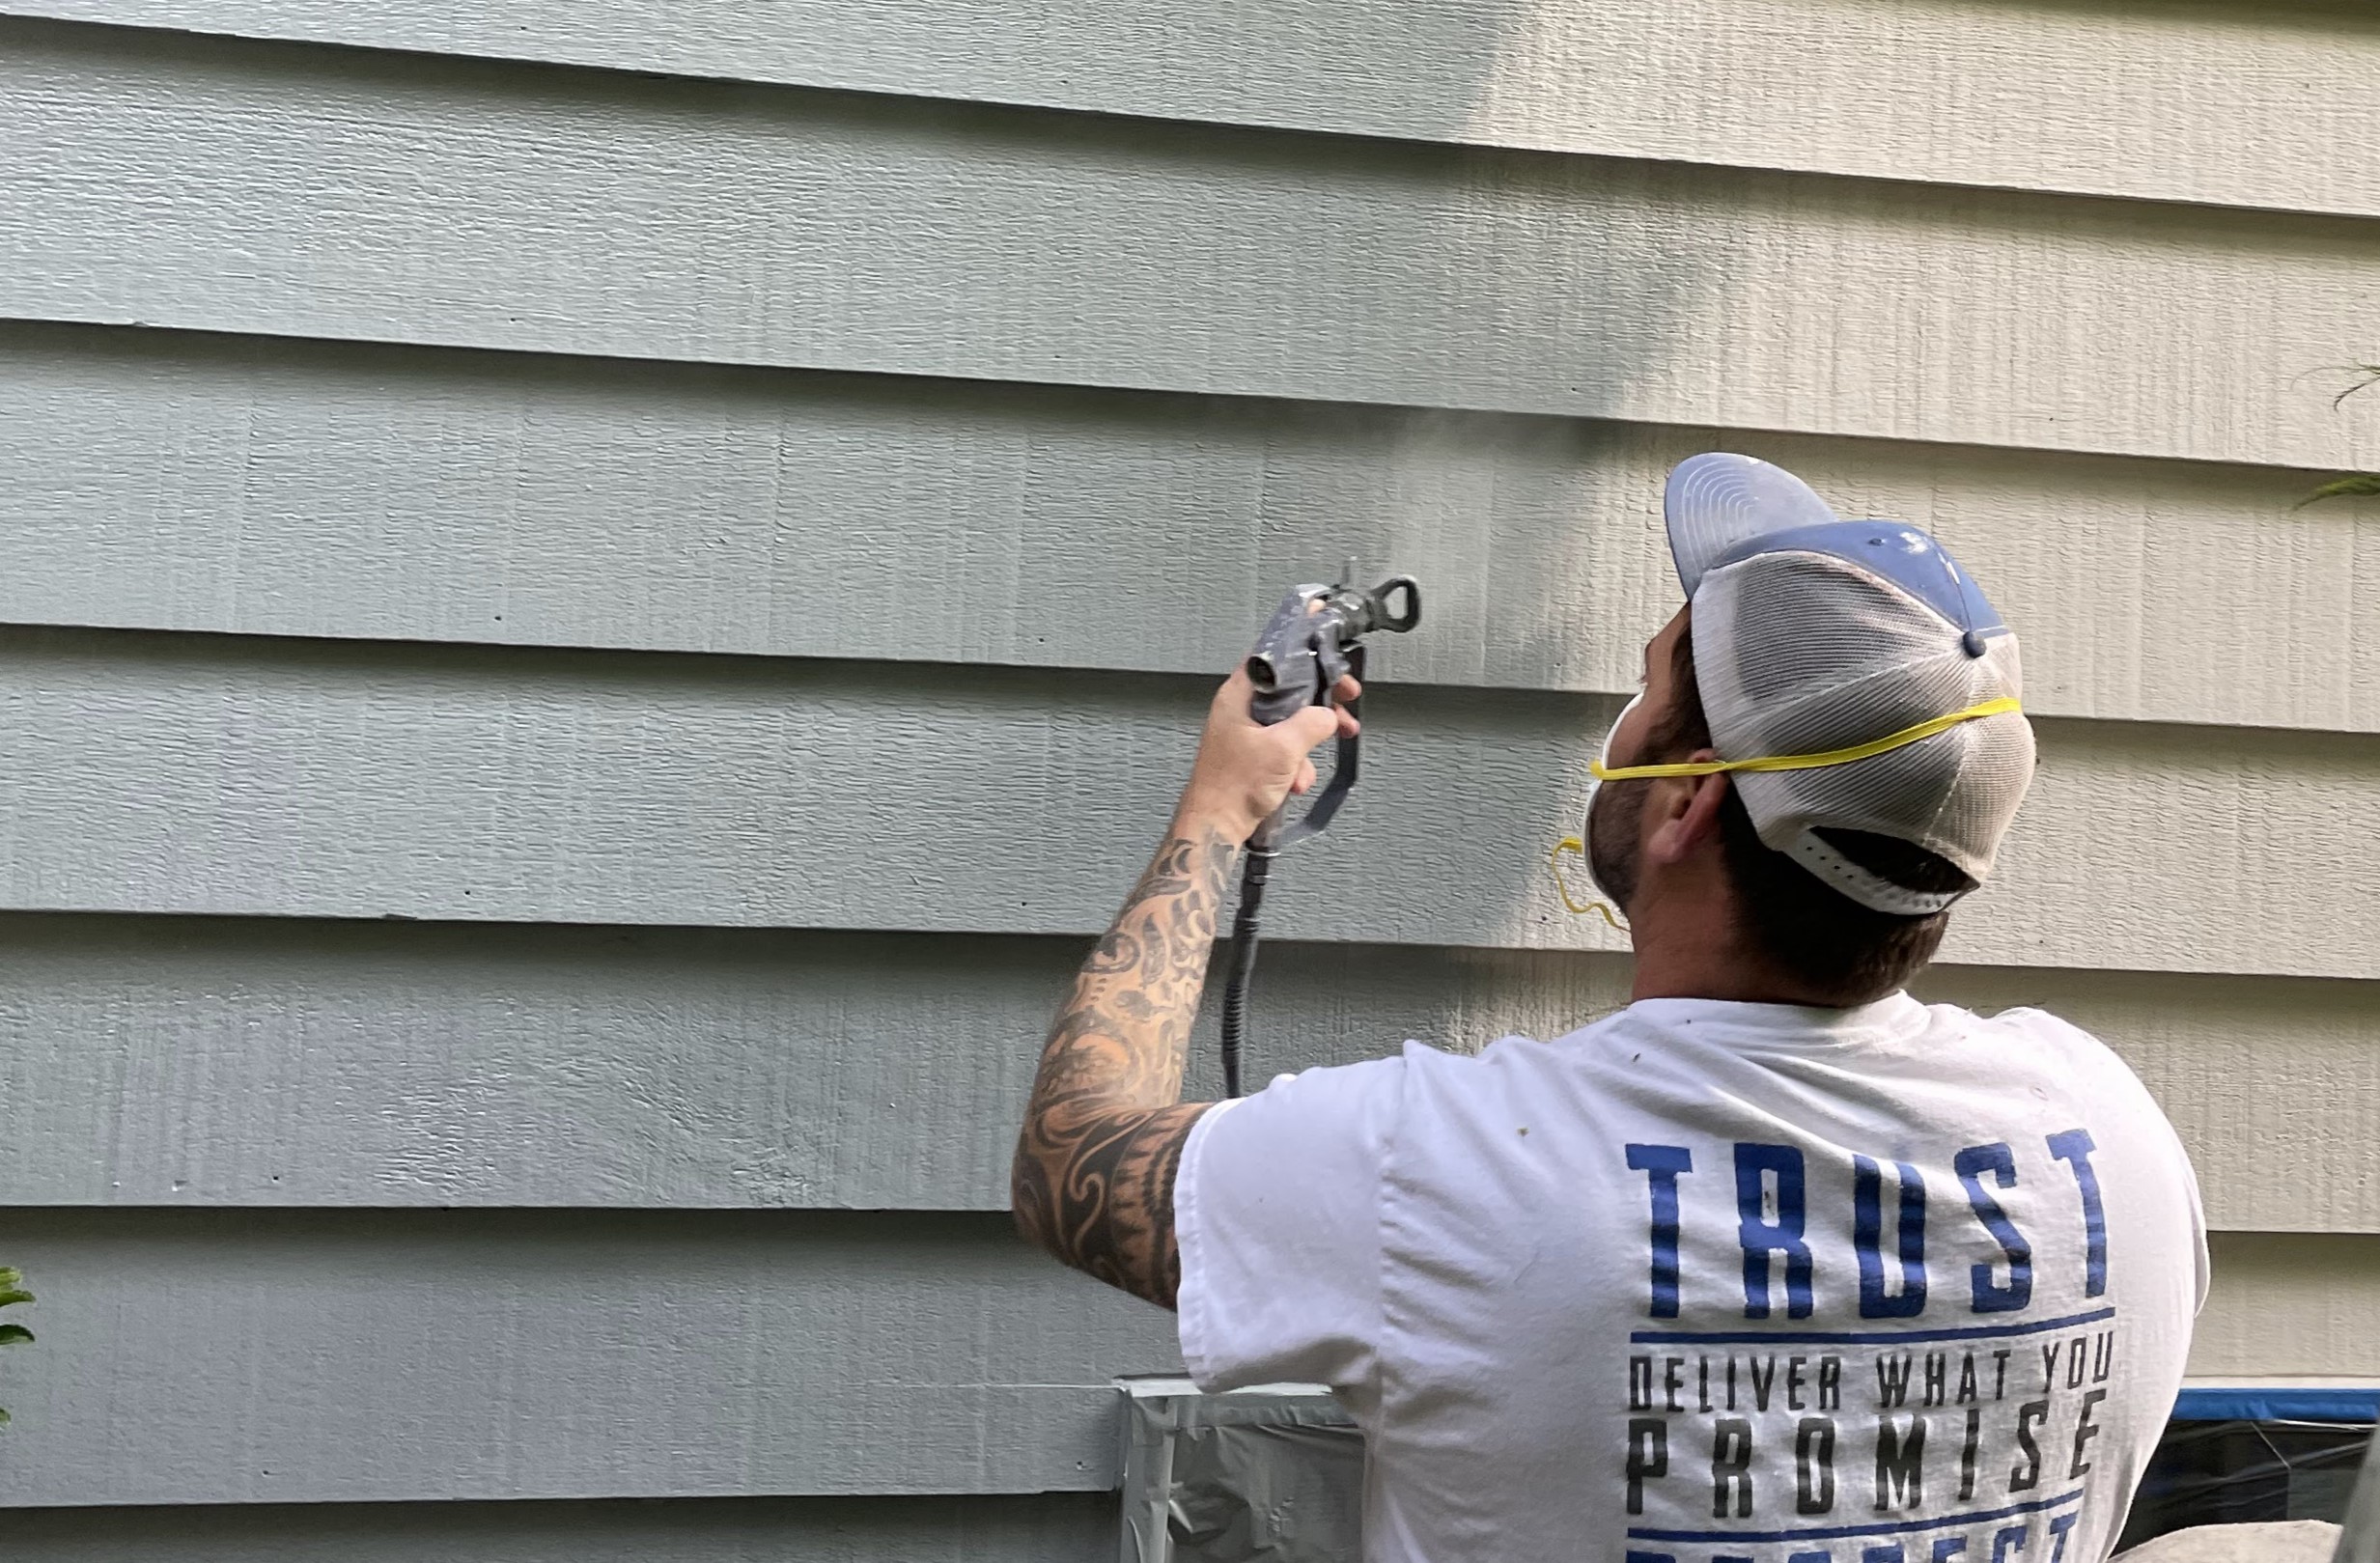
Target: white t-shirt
(1711,1281)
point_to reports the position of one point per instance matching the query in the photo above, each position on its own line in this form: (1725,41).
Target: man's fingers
(1313,725)
(1307,775)
(1343,695)
(1237,694)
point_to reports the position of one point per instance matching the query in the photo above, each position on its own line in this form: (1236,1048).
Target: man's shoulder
(1356,1099)
(2025,1024)
(2049,1057)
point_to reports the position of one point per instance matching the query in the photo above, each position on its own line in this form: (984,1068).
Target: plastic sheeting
(2258,1541)
(1276,1475)
(2232,1470)
(2360,1541)
(1272,1475)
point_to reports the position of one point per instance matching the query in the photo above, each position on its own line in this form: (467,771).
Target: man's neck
(1692,963)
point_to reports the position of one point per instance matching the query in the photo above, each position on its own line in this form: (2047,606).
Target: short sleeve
(1277,1207)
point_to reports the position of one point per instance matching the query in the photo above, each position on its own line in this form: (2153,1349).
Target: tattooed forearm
(1093,1178)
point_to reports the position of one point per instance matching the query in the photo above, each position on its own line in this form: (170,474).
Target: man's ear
(1688,814)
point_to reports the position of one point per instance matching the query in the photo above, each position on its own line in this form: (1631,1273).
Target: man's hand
(1245,770)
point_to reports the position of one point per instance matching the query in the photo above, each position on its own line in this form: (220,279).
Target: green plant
(2354,484)
(12,1290)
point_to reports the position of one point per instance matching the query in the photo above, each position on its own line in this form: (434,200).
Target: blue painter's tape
(2291,1404)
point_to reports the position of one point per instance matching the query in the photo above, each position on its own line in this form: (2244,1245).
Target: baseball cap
(1853,674)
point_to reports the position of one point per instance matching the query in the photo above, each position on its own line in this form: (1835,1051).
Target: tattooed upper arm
(1097,1193)
(1094,1175)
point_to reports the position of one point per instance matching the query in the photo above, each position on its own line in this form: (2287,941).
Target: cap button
(1972,643)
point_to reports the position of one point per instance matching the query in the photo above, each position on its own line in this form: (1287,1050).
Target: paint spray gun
(1314,639)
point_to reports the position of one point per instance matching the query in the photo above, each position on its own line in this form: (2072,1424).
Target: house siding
(603,595)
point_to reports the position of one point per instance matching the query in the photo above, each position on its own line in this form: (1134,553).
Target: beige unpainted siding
(601,595)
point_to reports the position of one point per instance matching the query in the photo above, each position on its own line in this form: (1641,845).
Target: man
(1774,1265)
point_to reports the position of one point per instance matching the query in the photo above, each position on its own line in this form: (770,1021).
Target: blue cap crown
(1902,554)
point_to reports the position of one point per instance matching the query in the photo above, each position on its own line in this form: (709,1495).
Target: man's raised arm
(1093,1177)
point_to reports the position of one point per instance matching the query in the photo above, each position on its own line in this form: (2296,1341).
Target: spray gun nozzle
(1395,619)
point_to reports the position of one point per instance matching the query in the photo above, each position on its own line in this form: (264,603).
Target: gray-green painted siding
(592,646)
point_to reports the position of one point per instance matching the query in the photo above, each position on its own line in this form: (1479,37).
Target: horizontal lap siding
(160,480)
(177,1061)
(212,1356)
(299,191)
(1058,1527)
(314,778)
(2267,110)
(2286,1305)
(729,409)
(193,1358)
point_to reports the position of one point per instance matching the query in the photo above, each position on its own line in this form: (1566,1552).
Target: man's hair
(1790,915)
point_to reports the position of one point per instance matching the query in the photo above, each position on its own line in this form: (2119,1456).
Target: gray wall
(602,596)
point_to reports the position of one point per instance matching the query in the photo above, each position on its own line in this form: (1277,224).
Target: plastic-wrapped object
(2359,1540)
(2215,1470)
(2267,1540)
(1276,1475)
(1270,1475)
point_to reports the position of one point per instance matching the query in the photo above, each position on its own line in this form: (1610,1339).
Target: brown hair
(1853,953)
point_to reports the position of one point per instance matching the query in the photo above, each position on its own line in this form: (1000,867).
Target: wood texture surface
(163,479)
(301,191)
(1056,1527)
(178,1061)
(2269,109)
(2292,1306)
(191,1357)
(206,774)
(665,1165)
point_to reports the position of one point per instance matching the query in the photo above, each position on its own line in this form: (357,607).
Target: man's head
(1842,700)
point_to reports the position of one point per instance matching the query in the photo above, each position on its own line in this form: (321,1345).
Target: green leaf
(15,1335)
(2355,485)
(9,1277)
(4,1419)
(7,1297)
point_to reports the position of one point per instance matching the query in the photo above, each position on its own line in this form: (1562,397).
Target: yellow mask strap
(1803,761)
(1572,844)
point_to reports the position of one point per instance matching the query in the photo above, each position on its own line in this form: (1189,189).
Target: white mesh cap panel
(1800,652)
